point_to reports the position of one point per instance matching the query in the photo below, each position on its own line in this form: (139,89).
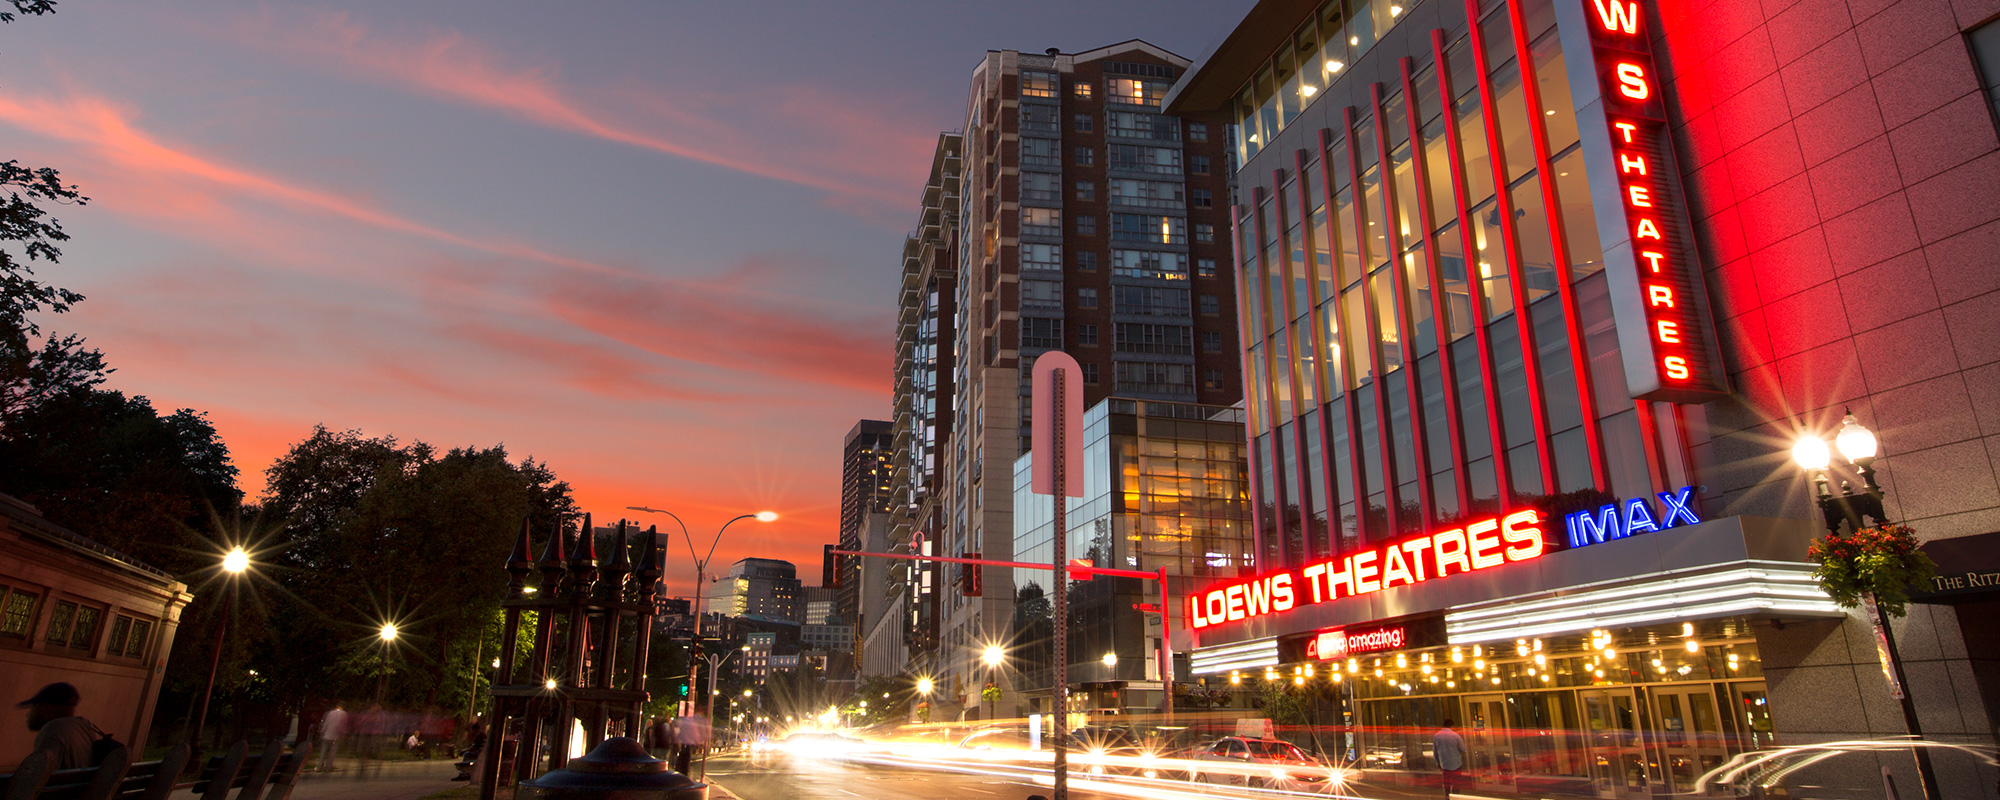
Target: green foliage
(888,698)
(990,694)
(1882,561)
(379,531)
(1197,697)
(1284,703)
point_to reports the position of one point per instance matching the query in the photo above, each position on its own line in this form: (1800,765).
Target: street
(794,778)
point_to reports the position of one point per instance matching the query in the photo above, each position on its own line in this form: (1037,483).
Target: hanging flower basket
(990,694)
(1882,561)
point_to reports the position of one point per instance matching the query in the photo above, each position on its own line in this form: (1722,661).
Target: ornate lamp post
(1859,447)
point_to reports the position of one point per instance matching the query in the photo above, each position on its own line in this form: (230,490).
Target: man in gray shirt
(1450,752)
(67,737)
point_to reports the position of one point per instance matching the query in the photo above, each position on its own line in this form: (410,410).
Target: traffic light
(684,690)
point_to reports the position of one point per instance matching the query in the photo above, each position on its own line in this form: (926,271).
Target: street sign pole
(1058,401)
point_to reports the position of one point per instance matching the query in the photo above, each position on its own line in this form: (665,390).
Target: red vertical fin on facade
(1261,286)
(1253,419)
(1400,289)
(1356,481)
(1426,208)
(1296,367)
(1373,330)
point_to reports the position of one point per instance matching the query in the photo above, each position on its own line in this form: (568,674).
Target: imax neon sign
(1630,518)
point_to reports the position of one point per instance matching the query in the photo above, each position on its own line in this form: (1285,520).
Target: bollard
(619,769)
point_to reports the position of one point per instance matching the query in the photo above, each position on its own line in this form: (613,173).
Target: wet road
(800,778)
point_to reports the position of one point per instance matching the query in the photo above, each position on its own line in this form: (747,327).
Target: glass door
(1689,733)
(1753,716)
(1489,755)
(1617,753)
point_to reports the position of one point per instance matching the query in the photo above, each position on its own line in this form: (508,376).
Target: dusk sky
(654,244)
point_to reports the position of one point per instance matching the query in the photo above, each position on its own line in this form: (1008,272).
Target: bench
(119,779)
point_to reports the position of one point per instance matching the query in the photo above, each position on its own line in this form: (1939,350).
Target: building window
(1081,89)
(1038,84)
(1154,378)
(1165,195)
(1204,268)
(1198,165)
(1149,264)
(1042,186)
(1151,228)
(1086,297)
(1211,342)
(1197,132)
(1134,91)
(1211,305)
(142,634)
(1211,379)
(1089,374)
(59,623)
(1039,152)
(83,633)
(1204,233)
(1085,156)
(1041,222)
(1041,332)
(1140,125)
(1039,119)
(19,613)
(1083,123)
(1086,261)
(1041,295)
(1041,256)
(1203,198)
(1149,301)
(1140,158)
(1086,225)
(1086,335)
(1086,190)
(1134,337)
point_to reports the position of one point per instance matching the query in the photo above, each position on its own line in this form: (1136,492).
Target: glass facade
(1164,487)
(1427,325)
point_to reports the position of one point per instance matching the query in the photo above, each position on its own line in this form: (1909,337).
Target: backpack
(103,747)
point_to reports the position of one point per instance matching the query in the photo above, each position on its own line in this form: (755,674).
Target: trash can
(618,769)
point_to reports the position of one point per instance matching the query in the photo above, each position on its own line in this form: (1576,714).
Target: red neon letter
(1416,547)
(1312,574)
(1364,572)
(1632,81)
(1625,129)
(1524,540)
(1454,554)
(1395,567)
(1618,16)
(1647,230)
(1640,196)
(1631,163)
(1483,540)
(1670,331)
(1659,296)
(1282,598)
(1195,619)
(1652,258)
(1677,367)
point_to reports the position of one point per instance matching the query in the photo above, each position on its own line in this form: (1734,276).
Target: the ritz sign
(1630,518)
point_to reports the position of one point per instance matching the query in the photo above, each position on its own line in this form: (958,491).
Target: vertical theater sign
(1665,333)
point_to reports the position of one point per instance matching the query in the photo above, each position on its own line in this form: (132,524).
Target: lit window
(1081,89)
(1038,84)
(1204,233)
(1204,268)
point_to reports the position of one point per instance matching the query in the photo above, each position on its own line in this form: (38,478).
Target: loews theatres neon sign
(1664,330)
(1481,545)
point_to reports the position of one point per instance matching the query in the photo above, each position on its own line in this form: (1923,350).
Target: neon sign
(1339,643)
(1665,334)
(1630,518)
(1480,545)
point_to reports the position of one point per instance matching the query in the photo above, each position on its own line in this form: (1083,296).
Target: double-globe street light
(1859,448)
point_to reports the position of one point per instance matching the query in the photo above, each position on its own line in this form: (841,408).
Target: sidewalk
(382,780)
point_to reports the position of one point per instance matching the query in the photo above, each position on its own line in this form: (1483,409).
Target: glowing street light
(388,632)
(924,686)
(994,655)
(236,561)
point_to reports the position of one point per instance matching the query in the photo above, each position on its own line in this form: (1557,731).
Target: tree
(376,531)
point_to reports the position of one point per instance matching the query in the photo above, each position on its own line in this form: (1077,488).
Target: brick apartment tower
(1093,224)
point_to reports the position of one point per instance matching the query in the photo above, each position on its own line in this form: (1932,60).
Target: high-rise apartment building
(757,588)
(1089,223)
(927,314)
(867,471)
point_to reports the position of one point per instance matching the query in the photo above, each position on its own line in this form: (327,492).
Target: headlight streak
(1089,771)
(1768,767)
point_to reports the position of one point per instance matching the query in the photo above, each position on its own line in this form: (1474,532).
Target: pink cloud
(859,153)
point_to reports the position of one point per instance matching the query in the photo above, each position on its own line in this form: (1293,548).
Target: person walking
(331,728)
(1449,749)
(70,740)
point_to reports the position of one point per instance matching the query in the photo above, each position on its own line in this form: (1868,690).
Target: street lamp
(994,655)
(234,563)
(1859,447)
(387,633)
(701,562)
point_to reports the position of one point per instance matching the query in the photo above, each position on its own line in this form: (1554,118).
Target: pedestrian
(1449,750)
(69,740)
(331,728)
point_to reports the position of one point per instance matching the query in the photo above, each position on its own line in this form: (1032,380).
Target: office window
(1086,225)
(1204,233)
(1198,165)
(1204,268)
(1038,84)
(1197,132)
(1085,156)
(1211,379)
(1086,261)
(1086,335)
(1211,305)
(1089,374)
(1086,190)
(1203,198)
(1081,89)
(1086,297)
(1083,123)
(1211,342)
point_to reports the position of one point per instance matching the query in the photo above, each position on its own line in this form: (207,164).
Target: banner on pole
(1042,476)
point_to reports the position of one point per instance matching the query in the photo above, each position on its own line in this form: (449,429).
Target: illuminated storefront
(1534,297)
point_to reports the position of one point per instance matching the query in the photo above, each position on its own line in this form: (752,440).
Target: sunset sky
(654,244)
